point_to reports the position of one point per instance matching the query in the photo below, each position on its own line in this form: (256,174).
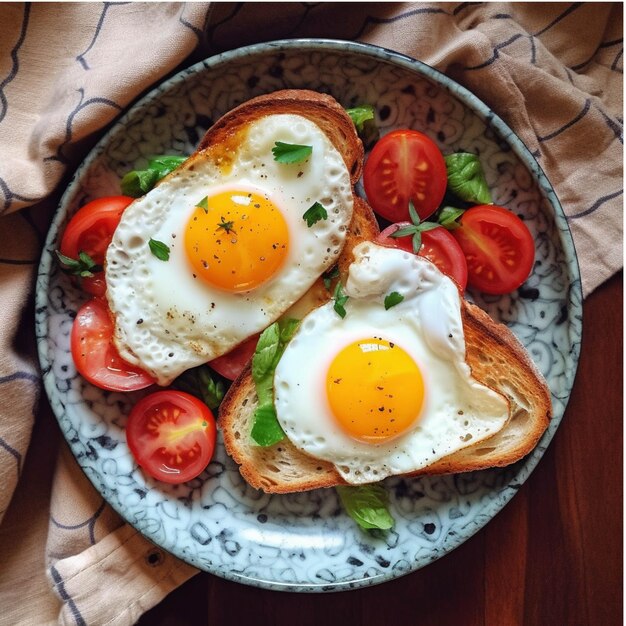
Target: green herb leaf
(136,183)
(290,152)
(160,250)
(392,299)
(367,506)
(405,231)
(314,214)
(360,115)
(266,430)
(466,178)
(84,266)
(203,383)
(448,217)
(340,300)
(415,218)
(329,276)
(365,124)
(227,226)
(204,204)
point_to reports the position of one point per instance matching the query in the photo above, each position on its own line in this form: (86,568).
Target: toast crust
(496,358)
(320,108)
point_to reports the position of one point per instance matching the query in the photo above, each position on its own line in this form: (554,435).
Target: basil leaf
(136,183)
(466,178)
(340,300)
(290,152)
(264,359)
(160,250)
(202,383)
(448,217)
(392,299)
(360,115)
(366,505)
(266,430)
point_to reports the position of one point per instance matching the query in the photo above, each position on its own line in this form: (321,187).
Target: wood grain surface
(553,556)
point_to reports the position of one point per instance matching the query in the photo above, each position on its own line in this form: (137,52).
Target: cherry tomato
(91,230)
(172,435)
(232,364)
(498,247)
(405,165)
(95,355)
(438,246)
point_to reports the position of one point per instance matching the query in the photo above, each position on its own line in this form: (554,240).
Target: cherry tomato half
(405,165)
(95,355)
(438,246)
(91,230)
(172,435)
(498,247)
(230,365)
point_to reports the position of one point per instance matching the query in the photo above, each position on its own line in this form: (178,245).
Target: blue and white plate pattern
(304,542)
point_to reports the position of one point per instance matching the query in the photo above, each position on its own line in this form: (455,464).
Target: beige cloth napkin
(552,71)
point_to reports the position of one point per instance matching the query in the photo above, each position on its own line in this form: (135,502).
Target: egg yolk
(375,390)
(236,240)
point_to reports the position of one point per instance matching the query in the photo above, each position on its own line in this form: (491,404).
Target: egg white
(166,320)
(458,411)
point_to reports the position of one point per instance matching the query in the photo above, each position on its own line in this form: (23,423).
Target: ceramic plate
(304,542)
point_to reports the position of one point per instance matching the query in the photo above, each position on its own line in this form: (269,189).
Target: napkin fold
(553,72)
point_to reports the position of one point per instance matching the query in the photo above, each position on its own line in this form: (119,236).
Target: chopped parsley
(392,299)
(314,214)
(160,250)
(290,152)
(340,300)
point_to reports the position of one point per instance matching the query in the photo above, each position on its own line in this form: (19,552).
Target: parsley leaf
(366,505)
(392,299)
(340,300)
(227,226)
(290,152)
(314,214)
(160,250)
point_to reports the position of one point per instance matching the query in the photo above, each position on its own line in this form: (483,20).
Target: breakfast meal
(352,352)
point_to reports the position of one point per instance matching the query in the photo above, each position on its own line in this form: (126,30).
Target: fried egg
(384,391)
(240,251)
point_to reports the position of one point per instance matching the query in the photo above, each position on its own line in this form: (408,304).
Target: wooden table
(553,556)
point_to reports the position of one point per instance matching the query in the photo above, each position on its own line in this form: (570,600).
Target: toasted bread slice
(495,357)
(320,108)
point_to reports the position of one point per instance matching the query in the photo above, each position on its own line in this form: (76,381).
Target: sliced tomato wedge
(438,246)
(90,230)
(405,165)
(498,247)
(95,355)
(232,364)
(172,435)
